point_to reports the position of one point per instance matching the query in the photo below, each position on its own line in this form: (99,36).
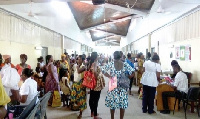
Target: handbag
(89,80)
(112,83)
(100,83)
(56,99)
(124,81)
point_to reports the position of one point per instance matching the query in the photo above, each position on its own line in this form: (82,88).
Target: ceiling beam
(155,6)
(127,10)
(112,21)
(10,2)
(107,37)
(108,33)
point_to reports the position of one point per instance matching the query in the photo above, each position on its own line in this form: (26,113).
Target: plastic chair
(33,112)
(43,104)
(192,96)
(27,109)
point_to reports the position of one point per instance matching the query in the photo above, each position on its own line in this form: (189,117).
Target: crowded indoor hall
(99,59)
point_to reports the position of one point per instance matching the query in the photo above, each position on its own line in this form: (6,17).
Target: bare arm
(107,75)
(23,98)
(158,76)
(143,69)
(131,76)
(51,70)
(80,70)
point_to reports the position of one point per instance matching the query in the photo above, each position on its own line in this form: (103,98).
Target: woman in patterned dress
(78,93)
(118,97)
(51,82)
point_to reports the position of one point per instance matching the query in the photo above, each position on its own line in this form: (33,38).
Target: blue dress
(117,98)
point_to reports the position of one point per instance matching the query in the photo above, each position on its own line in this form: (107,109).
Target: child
(38,78)
(65,87)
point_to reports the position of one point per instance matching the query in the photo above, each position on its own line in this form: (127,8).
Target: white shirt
(41,64)
(181,82)
(29,87)
(77,76)
(149,77)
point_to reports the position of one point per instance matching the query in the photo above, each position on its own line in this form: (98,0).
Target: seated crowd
(66,77)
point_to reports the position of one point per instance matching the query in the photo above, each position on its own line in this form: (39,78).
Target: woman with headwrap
(7,60)
(22,65)
(64,64)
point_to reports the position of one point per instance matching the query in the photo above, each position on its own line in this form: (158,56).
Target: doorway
(44,53)
(152,50)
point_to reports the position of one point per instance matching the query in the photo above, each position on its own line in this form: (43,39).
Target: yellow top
(5,99)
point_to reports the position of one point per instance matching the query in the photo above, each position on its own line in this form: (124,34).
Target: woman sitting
(28,89)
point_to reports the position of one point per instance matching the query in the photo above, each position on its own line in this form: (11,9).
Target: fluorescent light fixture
(38,48)
(98,34)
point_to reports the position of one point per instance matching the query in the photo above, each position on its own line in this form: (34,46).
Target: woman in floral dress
(78,94)
(118,97)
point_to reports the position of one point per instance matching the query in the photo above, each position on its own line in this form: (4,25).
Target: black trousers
(131,83)
(167,94)
(93,101)
(148,98)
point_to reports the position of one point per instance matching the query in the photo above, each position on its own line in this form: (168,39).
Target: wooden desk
(171,100)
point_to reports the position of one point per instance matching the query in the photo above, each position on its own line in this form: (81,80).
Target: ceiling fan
(30,13)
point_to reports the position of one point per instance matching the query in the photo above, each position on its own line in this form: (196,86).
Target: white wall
(184,32)
(107,50)
(20,37)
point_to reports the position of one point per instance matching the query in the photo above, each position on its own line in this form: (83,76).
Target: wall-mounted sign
(182,53)
(188,53)
(177,52)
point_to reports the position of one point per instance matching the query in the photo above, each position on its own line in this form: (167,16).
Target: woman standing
(100,83)
(64,64)
(20,67)
(78,93)
(51,82)
(118,97)
(140,59)
(150,80)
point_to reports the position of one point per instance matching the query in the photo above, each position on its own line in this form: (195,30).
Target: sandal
(96,117)
(153,112)
(79,116)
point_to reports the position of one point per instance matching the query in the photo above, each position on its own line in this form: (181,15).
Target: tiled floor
(132,112)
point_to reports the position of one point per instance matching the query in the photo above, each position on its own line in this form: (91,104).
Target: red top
(20,68)
(13,66)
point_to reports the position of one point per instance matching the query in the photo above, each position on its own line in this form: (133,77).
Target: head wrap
(63,55)
(6,57)
(23,56)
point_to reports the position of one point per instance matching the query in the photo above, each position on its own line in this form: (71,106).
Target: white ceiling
(60,19)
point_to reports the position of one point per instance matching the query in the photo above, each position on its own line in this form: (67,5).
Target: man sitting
(180,85)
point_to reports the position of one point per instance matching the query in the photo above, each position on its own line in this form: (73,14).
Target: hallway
(134,111)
